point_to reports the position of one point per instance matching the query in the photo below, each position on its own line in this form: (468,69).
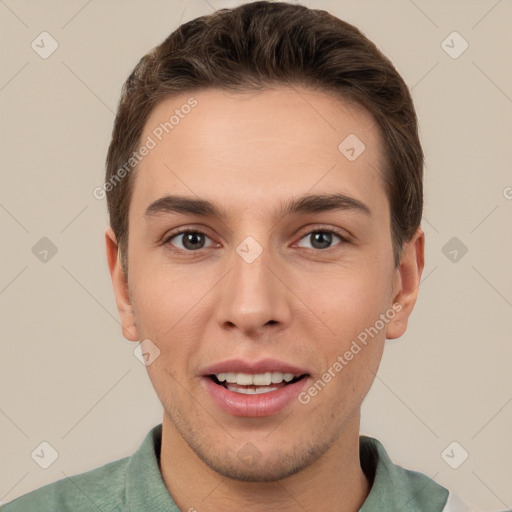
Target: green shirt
(135,484)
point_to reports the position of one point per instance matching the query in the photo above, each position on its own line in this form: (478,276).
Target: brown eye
(322,238)
(190,240)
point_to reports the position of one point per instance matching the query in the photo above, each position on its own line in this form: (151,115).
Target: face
(270,313)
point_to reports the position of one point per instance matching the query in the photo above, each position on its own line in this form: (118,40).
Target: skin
(298,303)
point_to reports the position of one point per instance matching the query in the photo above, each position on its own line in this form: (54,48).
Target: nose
(253,297)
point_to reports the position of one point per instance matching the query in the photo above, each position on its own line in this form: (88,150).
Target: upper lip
(252,367)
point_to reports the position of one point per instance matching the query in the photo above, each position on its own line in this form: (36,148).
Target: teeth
(251,391)
(262,379)
(258,379)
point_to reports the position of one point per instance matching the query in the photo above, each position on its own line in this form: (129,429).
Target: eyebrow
(304,204)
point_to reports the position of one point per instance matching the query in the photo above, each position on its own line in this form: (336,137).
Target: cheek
(162,300)
(352,350)
(352,301)
(170,311)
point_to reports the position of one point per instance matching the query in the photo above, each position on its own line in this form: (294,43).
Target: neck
(334,482)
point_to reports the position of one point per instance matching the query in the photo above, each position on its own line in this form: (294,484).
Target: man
(264,185)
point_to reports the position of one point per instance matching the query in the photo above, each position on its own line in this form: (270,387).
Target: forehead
(247,148)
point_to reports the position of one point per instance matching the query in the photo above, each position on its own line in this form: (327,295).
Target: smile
(253,389)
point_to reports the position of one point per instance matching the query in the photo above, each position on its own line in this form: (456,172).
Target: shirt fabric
(135,484)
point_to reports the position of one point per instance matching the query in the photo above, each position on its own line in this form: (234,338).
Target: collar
(396,488)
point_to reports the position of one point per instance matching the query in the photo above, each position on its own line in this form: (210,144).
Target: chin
(251,457)
(275,466)
(276,461)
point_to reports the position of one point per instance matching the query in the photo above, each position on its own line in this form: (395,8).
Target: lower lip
(254,406)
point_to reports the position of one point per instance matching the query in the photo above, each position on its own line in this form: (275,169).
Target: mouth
(255,384)
(254,389)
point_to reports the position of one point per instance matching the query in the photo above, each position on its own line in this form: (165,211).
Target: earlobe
(120,286)
(406,284)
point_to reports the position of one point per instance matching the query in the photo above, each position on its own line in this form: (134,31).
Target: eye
(191,240)
(322,238)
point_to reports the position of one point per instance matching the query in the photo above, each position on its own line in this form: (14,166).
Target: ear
(406,284)
(120,285)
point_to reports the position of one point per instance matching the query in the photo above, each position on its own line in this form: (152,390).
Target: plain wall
(68,376)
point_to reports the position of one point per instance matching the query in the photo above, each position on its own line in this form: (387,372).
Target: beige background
(67,375)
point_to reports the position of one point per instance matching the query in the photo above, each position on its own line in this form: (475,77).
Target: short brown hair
(258,45)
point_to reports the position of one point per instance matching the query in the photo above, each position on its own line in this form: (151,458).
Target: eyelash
(319,229)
